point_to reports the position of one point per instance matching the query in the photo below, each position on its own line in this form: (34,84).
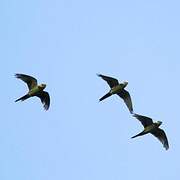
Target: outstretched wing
(161,135)
(127,99)
(146,121)
(31,81)
(111,81)
(45,99)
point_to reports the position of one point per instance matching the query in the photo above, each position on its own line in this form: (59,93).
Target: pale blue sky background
(64,44)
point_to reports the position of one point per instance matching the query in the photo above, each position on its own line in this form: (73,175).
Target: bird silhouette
(153,128)
(34,90)
(117,88)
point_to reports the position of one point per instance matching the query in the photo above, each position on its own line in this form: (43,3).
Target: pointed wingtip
(131,111)
(17,75)
(46,105)
(166,147)
(46,108)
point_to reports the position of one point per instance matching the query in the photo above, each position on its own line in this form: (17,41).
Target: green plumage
(117,88)
(153,128)
(34,90)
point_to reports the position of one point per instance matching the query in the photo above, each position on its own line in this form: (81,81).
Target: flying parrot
(153,128)
(117,88)
(34,90)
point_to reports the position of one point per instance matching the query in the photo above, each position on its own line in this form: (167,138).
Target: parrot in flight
(153,128)
(34,90)
(117,88)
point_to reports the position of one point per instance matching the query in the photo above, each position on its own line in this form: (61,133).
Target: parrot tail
(23,98)
(140,134)
(105,96)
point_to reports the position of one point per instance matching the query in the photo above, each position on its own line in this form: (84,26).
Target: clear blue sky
(64,44)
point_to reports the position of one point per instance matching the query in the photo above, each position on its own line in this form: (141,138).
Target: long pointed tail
(105,96)
(23,98)
(140,134)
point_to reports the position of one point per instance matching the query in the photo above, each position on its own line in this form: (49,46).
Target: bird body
(148,129)
(118,88)
(153,128)
(34,90)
